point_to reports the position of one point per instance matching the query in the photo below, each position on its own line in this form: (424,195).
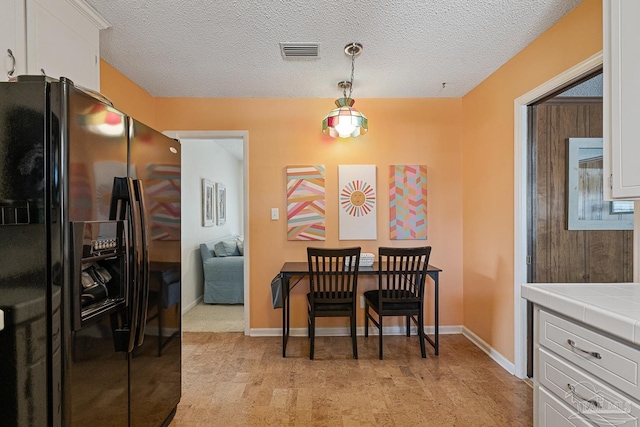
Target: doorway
(521,180)
(574,236)
(221,157)
(562,249)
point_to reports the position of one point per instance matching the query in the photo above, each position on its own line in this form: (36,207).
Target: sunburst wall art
(357,200)
(305,203)
(407,202)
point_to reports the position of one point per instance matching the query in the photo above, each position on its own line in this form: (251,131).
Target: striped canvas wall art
(305,203)
(408,202)
(163,191)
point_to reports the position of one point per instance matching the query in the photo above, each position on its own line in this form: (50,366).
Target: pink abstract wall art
(408,202)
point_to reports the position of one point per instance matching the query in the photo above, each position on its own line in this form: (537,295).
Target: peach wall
(288,132)
(435,132)
(126,96)
(488,169)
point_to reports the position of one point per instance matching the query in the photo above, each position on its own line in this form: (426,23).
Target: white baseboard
(394,330)
(193,304)
(490,351)
(344,331)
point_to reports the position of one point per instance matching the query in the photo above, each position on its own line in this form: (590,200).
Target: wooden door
(561,255)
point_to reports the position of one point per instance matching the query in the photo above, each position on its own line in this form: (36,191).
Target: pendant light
(345,121)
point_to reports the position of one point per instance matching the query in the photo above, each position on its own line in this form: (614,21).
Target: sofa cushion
(240,241)
(226,248)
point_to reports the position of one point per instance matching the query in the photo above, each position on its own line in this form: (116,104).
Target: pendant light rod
(344,85)
(352,49)
(345,121)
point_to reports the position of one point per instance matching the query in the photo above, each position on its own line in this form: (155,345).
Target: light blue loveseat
(223,267)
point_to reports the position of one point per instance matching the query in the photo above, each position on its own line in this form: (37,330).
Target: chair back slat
(333,274)
(402,274)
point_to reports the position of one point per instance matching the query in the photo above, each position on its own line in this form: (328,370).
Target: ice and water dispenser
(100,271)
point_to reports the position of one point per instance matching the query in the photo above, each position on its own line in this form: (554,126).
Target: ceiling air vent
(299,50)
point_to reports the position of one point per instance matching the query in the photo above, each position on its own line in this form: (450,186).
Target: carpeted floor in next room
(214,318)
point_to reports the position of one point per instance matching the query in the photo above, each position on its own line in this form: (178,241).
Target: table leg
(436,339)
(436,313)
(285,314)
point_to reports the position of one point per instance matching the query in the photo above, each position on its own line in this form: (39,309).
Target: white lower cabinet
(583,377)
(552,412)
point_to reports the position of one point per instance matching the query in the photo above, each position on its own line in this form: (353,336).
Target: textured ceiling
(230,48)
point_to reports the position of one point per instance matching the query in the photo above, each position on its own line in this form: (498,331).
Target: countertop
(611,307)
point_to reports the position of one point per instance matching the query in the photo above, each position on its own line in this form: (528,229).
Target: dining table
(292,272)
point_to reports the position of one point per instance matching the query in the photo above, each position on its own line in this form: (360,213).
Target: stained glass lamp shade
(345,121)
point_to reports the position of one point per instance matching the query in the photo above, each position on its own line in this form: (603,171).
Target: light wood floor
(233,380)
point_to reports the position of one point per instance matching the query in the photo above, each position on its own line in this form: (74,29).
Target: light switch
(275,213)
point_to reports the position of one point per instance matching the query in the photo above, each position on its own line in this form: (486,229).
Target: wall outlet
(361,301)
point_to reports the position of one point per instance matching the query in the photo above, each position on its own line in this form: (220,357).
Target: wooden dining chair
(333,284)
(402,274)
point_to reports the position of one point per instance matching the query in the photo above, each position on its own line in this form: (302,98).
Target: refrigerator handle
(124,206)
(144,271)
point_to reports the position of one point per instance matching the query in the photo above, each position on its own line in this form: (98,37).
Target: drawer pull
(593,402)
(572,343)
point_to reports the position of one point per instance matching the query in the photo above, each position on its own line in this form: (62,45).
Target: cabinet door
(62,42)
(12,36)
(621,98)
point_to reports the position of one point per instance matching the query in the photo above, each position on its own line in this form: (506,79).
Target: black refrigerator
(90,331)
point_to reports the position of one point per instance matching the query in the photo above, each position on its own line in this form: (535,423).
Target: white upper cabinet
(12,39)
(621,99)
(57,37)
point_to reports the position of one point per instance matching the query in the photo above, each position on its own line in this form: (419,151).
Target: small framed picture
(221,203)
(208,208)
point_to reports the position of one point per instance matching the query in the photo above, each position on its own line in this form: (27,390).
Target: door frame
(244,136)
(520,196)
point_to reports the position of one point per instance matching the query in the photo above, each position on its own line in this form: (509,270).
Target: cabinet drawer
(585,394)
(553,413)
(606,358)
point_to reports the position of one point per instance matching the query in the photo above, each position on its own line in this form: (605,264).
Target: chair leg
(380,336)
(408,326)
(159,329)
(366,320)
(421,334)
(353,335)
(313,336)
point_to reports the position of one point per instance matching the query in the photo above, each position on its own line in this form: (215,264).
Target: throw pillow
(171,276)
(240,241)
(226,248)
